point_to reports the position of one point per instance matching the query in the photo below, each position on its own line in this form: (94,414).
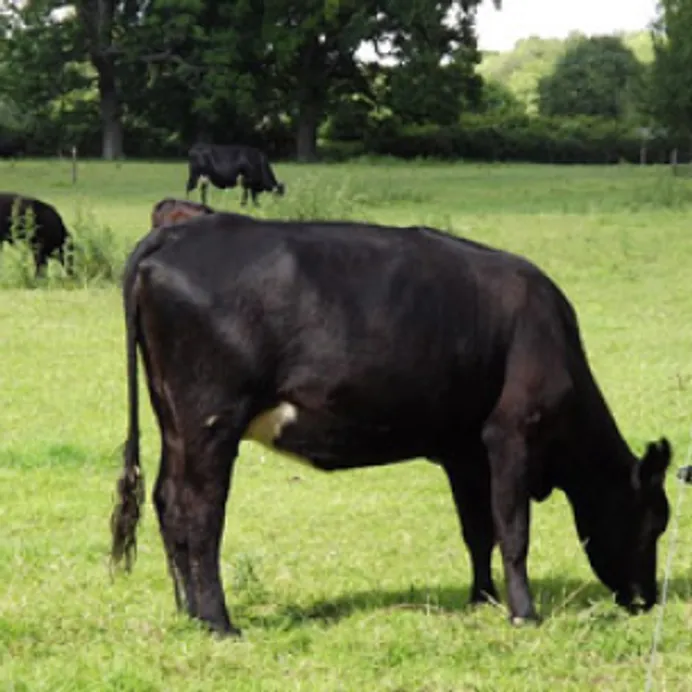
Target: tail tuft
(126,514)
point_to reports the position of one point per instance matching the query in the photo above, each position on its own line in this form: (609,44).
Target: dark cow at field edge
(49,234)
(222,165)
(171,211)
(349,345)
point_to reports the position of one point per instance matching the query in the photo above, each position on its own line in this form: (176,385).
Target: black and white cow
(222,165)
(349,345)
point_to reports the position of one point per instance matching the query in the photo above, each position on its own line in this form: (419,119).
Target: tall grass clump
(667,192)
(17,265)
(313,200)
(95,254)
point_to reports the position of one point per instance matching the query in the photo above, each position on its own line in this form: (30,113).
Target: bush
(94,254)
(519,137)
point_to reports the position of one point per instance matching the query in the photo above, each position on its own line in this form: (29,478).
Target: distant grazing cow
(170,211)
(685,474)
(222,165)
(50,234)
(348,345)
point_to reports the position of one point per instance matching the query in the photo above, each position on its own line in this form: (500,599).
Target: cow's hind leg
(196,514)
(190,498)
(469,479)
(166,509)
(505,442)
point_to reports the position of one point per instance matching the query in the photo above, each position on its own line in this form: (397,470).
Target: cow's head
(171,211)
(621,526)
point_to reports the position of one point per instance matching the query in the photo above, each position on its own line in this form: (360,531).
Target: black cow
(348,345)
(169,211)
(50,235)
(222,165)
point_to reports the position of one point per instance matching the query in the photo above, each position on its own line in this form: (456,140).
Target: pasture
(355,581)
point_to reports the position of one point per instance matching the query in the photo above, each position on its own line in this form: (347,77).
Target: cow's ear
(654,464)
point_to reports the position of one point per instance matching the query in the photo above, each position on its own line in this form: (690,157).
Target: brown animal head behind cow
(170,211)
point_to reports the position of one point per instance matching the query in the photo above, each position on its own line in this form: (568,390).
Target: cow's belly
(327,442)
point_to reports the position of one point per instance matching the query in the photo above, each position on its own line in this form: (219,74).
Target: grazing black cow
(170,211)
(348,345)
(222,165)
(50,234)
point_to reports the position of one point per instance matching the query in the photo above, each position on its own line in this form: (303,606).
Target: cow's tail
(130,487)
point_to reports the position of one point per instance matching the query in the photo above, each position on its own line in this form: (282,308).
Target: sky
(557,18)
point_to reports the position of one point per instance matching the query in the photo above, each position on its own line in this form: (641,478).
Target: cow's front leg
(469,479)
(511,510)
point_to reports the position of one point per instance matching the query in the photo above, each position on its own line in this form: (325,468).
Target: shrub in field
(94,253)
(312,199)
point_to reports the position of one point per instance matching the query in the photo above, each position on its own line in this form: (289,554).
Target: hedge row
(516,138)
(476,137)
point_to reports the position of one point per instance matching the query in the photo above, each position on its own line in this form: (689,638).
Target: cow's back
(386,323)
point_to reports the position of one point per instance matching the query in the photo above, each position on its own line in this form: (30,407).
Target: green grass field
(356,581)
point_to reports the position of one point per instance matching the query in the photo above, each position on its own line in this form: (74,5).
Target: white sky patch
(499,30)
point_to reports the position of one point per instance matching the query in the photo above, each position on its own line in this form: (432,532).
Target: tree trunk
(306,141)
(111,125)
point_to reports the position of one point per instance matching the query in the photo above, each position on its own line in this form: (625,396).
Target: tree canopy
(593,77)
(221,67)
(670,83)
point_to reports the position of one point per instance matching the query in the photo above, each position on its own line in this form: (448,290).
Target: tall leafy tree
(221,67)
(670,83)
(437,54)
(104,23)
(593,77)
(40,59)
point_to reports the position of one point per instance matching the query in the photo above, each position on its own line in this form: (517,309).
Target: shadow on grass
(553,596)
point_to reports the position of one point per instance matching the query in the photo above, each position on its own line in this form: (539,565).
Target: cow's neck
(600,461)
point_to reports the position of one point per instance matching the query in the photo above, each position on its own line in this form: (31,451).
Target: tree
(436,51)
(41,61)
(591,78)
(307,49)
(670,83)
(522,68)
(225,68)
(312,56)
(498,98)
